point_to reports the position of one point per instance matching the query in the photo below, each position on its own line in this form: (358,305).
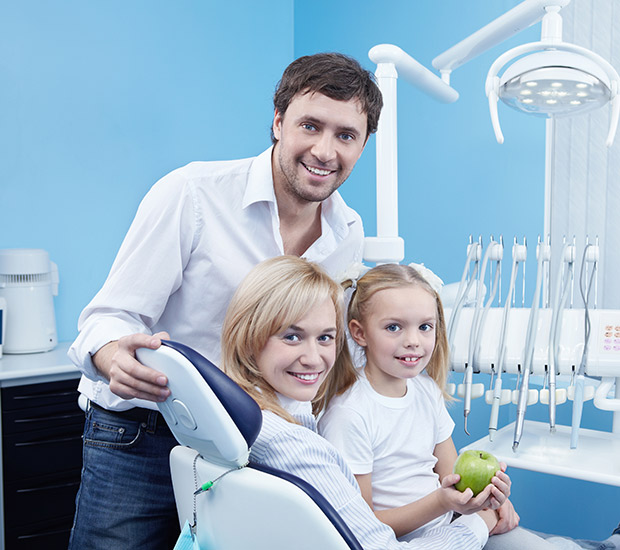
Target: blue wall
(100,99)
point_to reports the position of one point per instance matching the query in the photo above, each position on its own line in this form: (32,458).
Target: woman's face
(296,361)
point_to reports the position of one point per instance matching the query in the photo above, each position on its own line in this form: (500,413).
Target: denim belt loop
(151,421)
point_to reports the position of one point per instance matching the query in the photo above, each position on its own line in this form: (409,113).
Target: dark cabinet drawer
(39,395)
(53,498)
(43,418)
(41,452)
(40,536)
(42,427)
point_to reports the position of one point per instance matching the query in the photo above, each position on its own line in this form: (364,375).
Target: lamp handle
(613,123)
(493,98)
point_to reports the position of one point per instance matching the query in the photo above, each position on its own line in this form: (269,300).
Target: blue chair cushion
(243,410)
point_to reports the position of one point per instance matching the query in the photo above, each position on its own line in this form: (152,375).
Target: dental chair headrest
(206,410)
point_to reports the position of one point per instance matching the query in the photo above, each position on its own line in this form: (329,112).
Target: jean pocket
(107,430)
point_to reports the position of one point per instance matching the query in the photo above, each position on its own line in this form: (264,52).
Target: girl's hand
(508,519)
(463,502)
(500,490)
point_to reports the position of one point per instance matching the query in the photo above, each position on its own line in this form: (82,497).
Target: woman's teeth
(307,377)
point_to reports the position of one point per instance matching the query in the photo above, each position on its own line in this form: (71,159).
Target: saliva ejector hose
(590,254)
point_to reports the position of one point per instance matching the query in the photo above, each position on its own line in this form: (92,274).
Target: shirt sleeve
(298,453)
(147,270)
(349,432)
(445,424)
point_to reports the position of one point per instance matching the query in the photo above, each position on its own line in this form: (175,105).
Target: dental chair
(234,504)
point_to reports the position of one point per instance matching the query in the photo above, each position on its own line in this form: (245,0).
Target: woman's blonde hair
(390,276)
(273,296)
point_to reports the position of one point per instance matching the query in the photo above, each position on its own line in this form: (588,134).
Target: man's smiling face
(319,141)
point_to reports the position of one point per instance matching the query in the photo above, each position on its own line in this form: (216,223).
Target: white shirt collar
(336,216)
(260,181)
(293,406)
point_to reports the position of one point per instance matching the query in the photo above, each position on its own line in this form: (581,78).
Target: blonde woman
(283,341)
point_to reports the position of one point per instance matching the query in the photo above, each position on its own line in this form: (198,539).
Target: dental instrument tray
(596,458)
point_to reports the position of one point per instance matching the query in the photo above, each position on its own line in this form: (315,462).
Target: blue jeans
(125,498)
(524,539)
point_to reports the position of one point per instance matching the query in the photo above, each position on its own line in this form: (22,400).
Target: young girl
(283,341)
(392,426)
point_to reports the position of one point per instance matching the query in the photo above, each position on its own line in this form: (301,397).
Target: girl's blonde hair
(272,297)
(390,276)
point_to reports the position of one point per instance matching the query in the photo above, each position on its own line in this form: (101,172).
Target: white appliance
(28,282)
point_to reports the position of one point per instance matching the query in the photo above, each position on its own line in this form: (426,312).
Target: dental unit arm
(393,62)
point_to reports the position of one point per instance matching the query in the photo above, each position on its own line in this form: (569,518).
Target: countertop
(32,368)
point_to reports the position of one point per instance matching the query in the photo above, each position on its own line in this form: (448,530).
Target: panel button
(185,417)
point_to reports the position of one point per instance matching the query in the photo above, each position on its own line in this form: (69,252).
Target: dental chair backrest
(248,506)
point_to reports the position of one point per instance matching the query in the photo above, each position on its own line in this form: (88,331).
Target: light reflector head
(554,83)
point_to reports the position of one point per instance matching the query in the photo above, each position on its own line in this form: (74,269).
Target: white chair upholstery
(249,507)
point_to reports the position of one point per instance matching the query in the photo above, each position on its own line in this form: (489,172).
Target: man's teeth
(305,376)
(318,171)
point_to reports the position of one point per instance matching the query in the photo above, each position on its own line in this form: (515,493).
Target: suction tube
(580,381)
(528,356)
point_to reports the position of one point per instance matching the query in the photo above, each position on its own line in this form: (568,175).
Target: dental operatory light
(554,83)
(549,78)
(552,78)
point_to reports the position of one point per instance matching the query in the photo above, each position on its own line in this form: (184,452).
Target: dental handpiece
(553,351)
(521,407)
(577,411)
(528,355)
(558,302)
(497,394)
(469,368)
(552,401)
(519,254)
(467,382)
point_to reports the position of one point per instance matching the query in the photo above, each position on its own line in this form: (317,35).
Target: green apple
(476,469)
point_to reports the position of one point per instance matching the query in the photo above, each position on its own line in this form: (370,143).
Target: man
(198,231)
